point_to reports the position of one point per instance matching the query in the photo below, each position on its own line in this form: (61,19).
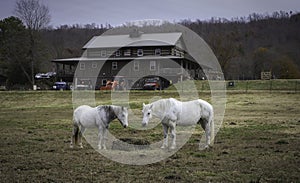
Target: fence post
(271,86)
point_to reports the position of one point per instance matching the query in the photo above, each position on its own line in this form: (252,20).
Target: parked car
(42,76)
(45,75)
(60,86)
(51,74)
(152,84)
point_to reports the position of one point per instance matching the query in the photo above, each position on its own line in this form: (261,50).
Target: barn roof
(118,41)
(77,59)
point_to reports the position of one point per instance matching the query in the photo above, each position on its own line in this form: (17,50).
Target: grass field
(258,142)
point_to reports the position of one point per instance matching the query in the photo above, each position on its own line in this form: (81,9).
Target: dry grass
(258,142)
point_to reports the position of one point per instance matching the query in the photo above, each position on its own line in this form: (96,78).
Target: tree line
(244,46)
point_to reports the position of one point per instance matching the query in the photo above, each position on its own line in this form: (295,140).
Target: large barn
(130,56)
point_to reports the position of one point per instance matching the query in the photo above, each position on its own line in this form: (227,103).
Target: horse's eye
(148,113)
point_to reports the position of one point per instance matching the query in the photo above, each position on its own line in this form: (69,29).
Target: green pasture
(258,140)
(247,85)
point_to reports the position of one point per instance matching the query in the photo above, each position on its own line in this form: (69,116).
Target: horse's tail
(212,127)
(76,133)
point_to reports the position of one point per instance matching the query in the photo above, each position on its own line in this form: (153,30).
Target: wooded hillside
(244,46)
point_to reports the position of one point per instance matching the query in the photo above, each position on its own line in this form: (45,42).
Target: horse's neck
(159,108)
(115,111)
(111,111)
(163,106)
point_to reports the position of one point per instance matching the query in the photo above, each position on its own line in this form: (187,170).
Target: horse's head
(122,115)
(147,113)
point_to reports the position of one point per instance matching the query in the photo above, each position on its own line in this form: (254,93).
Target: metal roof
(77,59)
(118,41)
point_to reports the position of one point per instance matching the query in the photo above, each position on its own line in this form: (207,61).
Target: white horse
(172,112)
(98,117)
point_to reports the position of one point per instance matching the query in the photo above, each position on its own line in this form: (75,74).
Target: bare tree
(224,47)
(35,16)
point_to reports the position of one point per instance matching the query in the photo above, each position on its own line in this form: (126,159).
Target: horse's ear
(151,106)
(144,104)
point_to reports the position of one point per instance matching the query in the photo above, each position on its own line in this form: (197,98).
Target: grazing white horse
(172,112)
(98,117)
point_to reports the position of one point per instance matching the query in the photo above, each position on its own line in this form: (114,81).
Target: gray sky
(117,12)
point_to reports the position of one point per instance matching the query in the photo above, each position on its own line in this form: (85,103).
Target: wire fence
(263,85)
(278,85)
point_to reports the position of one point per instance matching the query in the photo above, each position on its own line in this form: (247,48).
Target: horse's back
(85,116)
(187,112)
(81,109)
(190,112)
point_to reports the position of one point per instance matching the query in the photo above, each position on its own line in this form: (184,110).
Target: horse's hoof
(163,147)
(71,146)
(81,147)
(173,147)
(207,147)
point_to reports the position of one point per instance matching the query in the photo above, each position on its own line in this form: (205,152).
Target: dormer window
(127,52)
(103,53)
(158,51)
(118,53)
(140,52)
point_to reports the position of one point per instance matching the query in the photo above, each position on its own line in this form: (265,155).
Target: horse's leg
(74,137)
(104,138)
(72,141)
(81,131)
(173,135)
(165,143)
(207,133)
(206,127)
(100,136)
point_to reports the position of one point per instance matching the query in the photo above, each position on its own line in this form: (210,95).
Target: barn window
(140,52)
(114,65)
(82,66)
(158,51)
(152,65)
(94,65)
(136,66)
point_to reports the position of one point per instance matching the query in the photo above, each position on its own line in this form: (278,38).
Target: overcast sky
(117,12)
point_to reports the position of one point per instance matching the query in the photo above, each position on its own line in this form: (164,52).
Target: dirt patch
(130,144)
